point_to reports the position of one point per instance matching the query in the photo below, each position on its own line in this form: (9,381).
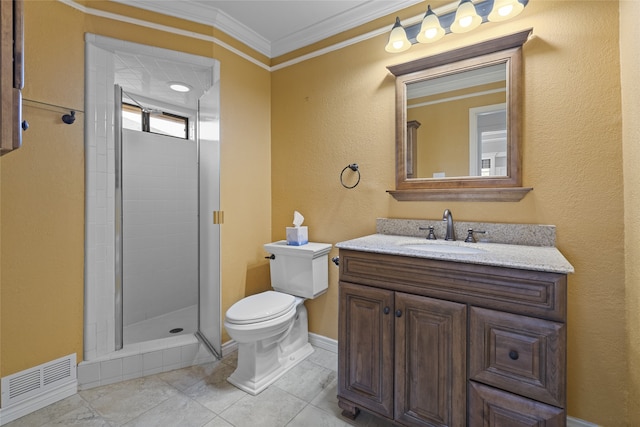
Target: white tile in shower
(101,342)
(132,367)
(189,353)
(88,373)
(171,359)
(152,363)
(111,371)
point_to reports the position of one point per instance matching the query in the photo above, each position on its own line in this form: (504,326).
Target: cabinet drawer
(489,407)
(520,354)
(532,293)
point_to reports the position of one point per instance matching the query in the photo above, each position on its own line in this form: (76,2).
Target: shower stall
(152,250)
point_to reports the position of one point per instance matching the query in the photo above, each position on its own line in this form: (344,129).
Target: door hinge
(218,217)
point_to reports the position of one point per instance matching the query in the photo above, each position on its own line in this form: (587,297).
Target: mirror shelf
(493,194)
(458,117)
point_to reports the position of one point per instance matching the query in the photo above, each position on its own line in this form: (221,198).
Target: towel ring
(353,167)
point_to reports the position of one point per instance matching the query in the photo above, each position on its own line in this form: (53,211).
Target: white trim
(577,422)
(202,14)
(34,403)
(456,98)
(474,148)
(345,21)
(323,342)
(159,27)
(122,18)
(212,16)
(229,347)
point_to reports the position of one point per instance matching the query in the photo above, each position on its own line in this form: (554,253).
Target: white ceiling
(274,28)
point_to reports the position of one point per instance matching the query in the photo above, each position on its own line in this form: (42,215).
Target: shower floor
(159,327)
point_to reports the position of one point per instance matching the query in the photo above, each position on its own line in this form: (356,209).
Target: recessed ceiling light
(179,87)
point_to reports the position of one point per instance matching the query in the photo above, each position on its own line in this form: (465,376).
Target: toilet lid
(260,307)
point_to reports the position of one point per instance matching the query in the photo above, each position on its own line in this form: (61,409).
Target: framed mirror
(458,124)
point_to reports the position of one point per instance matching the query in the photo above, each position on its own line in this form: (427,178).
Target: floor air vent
(39,380)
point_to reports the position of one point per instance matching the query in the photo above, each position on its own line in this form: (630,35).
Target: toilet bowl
(267,348)
(271,328)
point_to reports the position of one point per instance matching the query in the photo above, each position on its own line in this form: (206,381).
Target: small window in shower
(169,124)
(136,118)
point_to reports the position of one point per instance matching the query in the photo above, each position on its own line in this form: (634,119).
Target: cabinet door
(430,362)
(365,341)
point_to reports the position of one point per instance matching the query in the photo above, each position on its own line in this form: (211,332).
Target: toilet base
(254,385)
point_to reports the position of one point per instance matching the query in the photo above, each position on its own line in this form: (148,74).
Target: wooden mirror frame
(508,50)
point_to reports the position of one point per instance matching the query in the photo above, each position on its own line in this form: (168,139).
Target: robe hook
(69,118)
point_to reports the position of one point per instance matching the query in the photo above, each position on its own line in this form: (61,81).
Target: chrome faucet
(446,216)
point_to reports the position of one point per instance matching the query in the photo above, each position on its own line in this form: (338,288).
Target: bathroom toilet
(271,327)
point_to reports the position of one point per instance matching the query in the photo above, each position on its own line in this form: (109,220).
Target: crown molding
(209,15)
(354,17)
(206,15)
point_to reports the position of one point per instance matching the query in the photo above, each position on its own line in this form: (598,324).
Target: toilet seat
(260,307)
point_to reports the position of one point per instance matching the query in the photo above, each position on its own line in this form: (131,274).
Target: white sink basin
(444,248)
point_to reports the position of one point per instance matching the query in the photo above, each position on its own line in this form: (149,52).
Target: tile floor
(201,396)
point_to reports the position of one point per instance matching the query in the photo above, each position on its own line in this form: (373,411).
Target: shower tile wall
(100,177)
(160,225)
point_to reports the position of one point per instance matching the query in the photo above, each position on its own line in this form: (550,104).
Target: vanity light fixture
(466,18)
(398,41)
(430,30)
(179,87)
(462,18)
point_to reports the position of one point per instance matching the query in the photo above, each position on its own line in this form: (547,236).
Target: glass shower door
(209,301)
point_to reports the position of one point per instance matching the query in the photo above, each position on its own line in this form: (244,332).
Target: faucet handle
(431,235)
(470,238)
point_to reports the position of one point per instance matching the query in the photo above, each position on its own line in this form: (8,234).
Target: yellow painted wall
(43,204)
(300,126)
(339,109)
(630,64)
(42,198)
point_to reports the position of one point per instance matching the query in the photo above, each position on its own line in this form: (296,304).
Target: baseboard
(323,342)
(577,422)
(32,404)
(229,347)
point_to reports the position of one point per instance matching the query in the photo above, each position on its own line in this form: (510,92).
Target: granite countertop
(538,258)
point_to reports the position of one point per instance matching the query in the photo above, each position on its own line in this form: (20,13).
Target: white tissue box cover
(297,236)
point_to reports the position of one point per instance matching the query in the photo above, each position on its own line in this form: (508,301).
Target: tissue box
(297,236)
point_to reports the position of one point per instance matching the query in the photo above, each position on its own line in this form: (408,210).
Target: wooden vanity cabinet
(435,343)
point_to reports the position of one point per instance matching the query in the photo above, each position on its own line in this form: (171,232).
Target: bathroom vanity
(435,333)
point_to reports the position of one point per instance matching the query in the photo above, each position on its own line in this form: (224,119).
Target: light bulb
(465,21)
(505,9)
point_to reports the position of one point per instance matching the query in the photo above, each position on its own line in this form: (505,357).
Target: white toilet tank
(299,270)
